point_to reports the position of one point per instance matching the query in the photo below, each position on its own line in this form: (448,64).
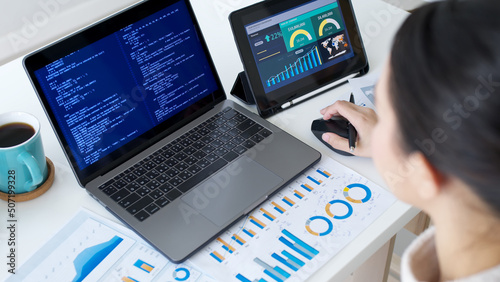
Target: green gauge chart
(298,33)
(327,23)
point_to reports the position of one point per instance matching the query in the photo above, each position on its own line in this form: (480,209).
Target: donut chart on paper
(181,274)
(347,215)
(309,229)
(357,185)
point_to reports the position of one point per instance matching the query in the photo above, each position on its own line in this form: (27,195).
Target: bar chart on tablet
(304,63)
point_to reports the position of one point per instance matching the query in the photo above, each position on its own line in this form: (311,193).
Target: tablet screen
(298,42)
(291,48)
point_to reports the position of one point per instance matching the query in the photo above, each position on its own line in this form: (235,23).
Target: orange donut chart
(329,212)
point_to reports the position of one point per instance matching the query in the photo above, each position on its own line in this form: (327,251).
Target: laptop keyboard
(180,165)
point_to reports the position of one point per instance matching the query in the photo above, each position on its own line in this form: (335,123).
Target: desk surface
(39,219)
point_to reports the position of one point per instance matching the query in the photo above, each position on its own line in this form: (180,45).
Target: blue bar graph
(227,249)
(251,234)
(299,246)
(243,278)
(276,272)
(305,63)
(257,222)
(268,217)
(217,256)
(144,266)
(238,239)
(288,201)
(285,260)
(307,187)
(314,180)
(293,260)
(323,173)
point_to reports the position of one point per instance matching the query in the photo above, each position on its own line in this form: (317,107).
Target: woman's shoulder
(420,263)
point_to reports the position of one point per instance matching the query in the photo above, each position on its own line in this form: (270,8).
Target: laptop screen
(131,83)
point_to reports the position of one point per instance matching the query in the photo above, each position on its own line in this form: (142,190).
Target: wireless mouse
(337,125)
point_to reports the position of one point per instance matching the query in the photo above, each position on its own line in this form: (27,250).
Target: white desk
(39,219)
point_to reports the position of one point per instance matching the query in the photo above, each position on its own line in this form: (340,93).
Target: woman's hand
(362,118)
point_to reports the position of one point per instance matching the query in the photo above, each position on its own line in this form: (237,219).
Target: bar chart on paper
(306,222)
(292,262)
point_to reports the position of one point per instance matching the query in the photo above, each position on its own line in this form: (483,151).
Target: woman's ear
(430,179)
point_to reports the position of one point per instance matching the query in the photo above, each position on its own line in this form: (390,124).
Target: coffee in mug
(23,166)
(13,134)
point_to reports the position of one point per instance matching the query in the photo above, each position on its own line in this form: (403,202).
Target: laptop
(138,107)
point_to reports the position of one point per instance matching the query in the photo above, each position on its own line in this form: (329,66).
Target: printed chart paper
(92,248)
(298,230)
(287,238)
(363,89)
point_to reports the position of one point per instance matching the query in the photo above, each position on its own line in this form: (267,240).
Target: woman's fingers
(362,118)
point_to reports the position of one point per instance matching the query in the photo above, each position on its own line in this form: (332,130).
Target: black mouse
(337,125)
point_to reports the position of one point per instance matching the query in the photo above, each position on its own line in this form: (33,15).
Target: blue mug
(23,166)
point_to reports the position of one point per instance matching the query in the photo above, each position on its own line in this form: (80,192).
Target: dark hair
(445,90)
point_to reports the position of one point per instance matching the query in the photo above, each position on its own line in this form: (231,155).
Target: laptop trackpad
(232,190)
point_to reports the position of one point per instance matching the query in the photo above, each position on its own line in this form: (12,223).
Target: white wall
(26,25)
(29,24)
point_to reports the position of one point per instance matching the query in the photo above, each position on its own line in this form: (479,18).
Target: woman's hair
(445,90)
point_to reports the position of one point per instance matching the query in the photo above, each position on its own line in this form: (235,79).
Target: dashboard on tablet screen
(291,48)
(298,42)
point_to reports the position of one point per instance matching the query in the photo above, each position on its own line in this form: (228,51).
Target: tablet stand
(241,89)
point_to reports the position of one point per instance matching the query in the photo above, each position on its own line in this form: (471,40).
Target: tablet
(291,48)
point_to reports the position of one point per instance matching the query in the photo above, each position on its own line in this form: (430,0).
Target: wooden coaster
(38,191)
